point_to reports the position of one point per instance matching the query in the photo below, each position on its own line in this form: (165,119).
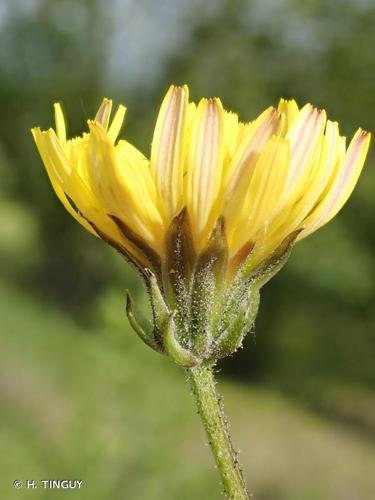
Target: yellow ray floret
(288,170)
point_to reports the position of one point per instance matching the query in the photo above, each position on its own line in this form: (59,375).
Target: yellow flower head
(287,171)
(212,214)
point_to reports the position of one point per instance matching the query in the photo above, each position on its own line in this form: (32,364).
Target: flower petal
(231,131)
(60,123)
(204,164)
(304,135)
(122,181)
(41,142)
(104,112)
(295,208)
(237,177)
(254,137)
(342,186)
(265,190)
(289,112)
(116,124)
(168,149)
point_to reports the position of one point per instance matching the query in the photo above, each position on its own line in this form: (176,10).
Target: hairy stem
(210,408)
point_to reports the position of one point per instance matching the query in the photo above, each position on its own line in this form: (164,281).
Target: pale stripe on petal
(204,164)
(304,136)
(104,112)
(284,172)
(264,193)
(236,184)
(321,171)
(343,184)
(254,137)
(168,149)
(326,165)
(268,183)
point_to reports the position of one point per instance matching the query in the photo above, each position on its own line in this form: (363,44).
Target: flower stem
(210,408)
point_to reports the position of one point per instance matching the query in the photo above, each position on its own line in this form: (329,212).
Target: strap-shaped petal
(328,160)
(265,190)
(278,175)
(267,183)
(103,116)
(89,208)
(121,180)
(60,123)
(342,185)
(168,149)
(231,132)
(289,112)
(104,112)
(304,136)
(40,140)
(295,209)
(253,137)
(116,124)
(204,166)
(75,186)
(57,163)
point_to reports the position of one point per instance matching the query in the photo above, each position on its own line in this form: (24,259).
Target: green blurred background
(80,397)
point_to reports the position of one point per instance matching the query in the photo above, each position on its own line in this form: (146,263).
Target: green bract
(201,309)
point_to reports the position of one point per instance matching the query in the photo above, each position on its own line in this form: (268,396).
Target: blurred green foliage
(94,404)
(315,337)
